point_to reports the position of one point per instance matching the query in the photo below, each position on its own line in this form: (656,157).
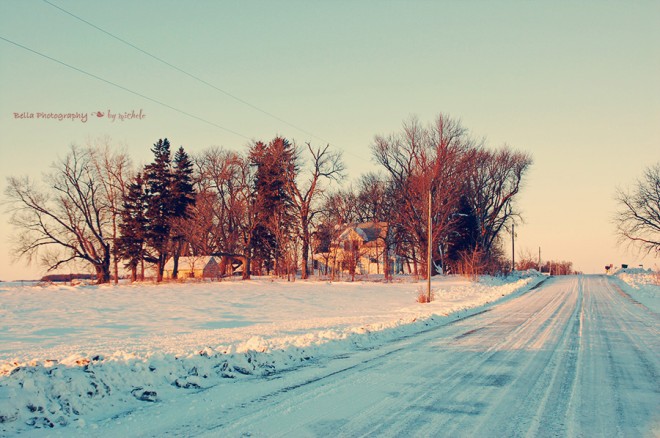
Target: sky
(575,85)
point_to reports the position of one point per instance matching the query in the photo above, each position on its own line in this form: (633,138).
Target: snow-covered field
(641,284)
(74,357)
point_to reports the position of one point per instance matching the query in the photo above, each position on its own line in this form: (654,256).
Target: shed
(194,267)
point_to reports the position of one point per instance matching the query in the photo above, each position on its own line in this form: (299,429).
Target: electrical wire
(124,88)
(197,78)
(164,62)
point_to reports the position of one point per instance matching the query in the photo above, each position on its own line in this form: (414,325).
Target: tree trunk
(103,269)
(175,268)
(247,261)
(116,266)
(106,273)
(115,250)
(177,248)
(386,264)
(162,258)
(305,255)
(222,269)
(99,274)
(414,256)
(102,273)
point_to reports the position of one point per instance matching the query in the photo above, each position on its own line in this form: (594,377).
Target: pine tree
(133,226)
(183,197)
(158,179)
(183,190)
(275,168)
(465,237)
(169,193)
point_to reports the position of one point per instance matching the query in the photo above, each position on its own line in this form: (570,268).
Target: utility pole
(539,259)
(513,247)
(428,257)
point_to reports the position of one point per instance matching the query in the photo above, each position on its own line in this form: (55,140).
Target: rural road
(574,357)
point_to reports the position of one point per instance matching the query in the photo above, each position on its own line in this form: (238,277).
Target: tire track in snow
(552,372)
(561,373)
(633,346)
(330,368)
(573,358)
(461,392)
(459,381)
(379,357)
(409,341)
(318,384)
(515,401)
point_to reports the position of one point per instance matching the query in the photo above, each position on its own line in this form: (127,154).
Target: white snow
(74,356)
(642,285)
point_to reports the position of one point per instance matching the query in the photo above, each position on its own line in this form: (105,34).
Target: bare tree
(373,200)
(68,219)
(113,169)
(322,238)
(226,180)
(419,161)
(494,179)
(218,179)
(352,252)
(199,230)
(247,210)
(376,202)
(526,261)
(340,207)
(638,218)
(304,194)
(471,263)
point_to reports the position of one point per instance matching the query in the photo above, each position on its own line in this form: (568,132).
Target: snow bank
(642,285)
(85,354)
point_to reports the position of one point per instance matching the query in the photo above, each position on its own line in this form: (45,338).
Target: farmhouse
(358,248)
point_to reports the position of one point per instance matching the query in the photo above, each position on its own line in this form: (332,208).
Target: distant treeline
(67,277)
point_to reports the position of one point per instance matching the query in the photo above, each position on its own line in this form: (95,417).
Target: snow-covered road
(574,357)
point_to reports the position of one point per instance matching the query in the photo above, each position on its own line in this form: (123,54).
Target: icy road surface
(575,357)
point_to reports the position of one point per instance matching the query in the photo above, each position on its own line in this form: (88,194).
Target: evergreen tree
(183,190)
(465,237)
(169,193)
(158,179)
(275,168)
(183,197)
(133,226)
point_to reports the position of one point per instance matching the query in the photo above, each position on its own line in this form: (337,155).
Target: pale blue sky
(576,85)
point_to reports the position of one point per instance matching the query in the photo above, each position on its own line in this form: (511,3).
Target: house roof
(368,231)
(373,230)
(187,263)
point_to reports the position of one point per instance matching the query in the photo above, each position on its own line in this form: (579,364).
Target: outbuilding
(194,267)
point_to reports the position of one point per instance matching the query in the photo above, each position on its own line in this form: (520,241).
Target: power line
(197,78)
(123,88)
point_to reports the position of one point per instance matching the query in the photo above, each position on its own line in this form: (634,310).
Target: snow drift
(74,356)
(643,285)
